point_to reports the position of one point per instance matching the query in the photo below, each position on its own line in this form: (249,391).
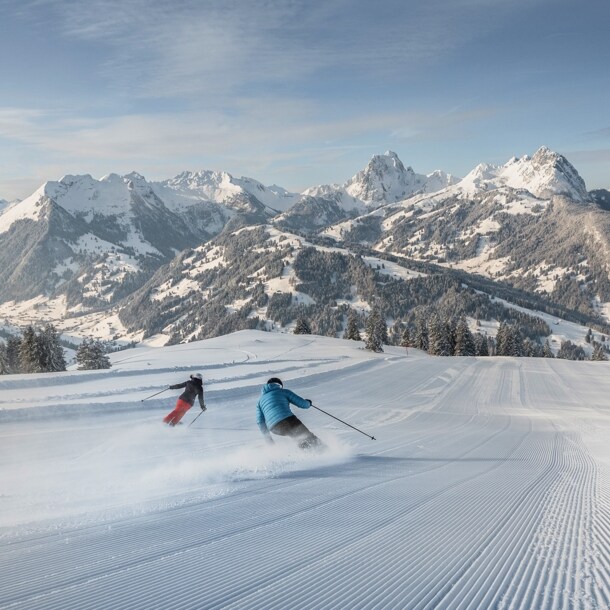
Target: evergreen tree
(481,344)
(53,358)
(464,341)
(570,351)
(13,348)
(422,339)
(509,341)
(515,342)
(598,352)
(451,331)
(439,342)
(90,356)
(502,340)
(395,337)
(351,331)
(405,339)
(100,359)
(3,360)
(547,352)
(302,326)
(491,346)
(30,352)
(532,349)
(83,354)
(375,329)
(382,327)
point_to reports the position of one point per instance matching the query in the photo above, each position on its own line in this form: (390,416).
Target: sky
(298,93)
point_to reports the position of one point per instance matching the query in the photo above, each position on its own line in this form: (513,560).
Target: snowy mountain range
(97,256)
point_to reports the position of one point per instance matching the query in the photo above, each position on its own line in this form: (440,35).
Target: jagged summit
(552,171)
(386,179)
(545,174)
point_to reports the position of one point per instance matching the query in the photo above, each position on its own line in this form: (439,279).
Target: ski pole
(344,422)
(199,415)
(161,392)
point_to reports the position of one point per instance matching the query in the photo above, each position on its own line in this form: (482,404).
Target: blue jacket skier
(273,415)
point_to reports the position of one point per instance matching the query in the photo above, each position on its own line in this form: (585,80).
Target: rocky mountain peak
(547,173)
(384,180)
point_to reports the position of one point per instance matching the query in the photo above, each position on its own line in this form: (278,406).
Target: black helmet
(276,380)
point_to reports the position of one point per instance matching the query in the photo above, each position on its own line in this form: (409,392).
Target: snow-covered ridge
(545,174)
(113,194)
(221,187)
(384,180)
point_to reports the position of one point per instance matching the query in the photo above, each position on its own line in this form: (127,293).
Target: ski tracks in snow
(486,489)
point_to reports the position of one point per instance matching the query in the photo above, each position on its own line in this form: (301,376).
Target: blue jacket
(274,406)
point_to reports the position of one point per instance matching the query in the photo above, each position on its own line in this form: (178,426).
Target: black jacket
(193,389)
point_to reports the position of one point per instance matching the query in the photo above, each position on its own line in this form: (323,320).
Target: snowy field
(488,485)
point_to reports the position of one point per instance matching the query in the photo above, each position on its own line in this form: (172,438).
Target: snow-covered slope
(487,487)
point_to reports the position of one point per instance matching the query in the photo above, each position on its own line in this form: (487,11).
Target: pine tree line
(447,336)
(38,350)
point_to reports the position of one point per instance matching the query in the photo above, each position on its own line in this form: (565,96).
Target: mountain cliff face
(386,180)
(128,257)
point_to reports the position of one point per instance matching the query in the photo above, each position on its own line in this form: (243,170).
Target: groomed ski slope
(487,486)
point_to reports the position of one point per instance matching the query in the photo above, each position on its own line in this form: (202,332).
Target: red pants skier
(178,413)
(193,388)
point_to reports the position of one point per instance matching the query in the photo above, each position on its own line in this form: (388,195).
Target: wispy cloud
(599,133)
(229,47)
(267,138)
(192,134)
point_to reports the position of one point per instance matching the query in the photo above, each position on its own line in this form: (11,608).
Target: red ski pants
(178,413)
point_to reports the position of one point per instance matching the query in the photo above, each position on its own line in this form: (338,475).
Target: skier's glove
(203,407)
(309,401)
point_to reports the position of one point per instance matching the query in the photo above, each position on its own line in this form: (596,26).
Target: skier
(193,388)
(273,414)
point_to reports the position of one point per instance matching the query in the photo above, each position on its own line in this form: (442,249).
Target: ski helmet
(276,380)
(197,376)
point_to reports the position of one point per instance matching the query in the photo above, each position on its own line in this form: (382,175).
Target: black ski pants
(293,427)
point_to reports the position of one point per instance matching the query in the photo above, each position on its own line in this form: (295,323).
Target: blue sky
(298,92)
